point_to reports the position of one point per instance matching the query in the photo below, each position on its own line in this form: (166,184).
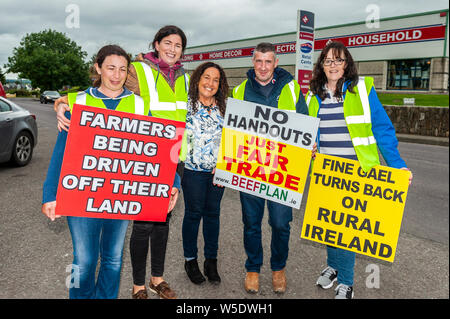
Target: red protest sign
(118,165)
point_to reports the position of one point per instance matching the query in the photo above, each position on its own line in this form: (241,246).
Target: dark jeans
(158,234)
(279,218)
(201,201)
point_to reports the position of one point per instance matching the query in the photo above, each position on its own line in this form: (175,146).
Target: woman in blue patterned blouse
(208,91)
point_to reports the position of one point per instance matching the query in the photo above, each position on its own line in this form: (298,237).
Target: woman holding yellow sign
(353,125)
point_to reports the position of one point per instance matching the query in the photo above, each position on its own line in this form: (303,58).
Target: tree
(50,60)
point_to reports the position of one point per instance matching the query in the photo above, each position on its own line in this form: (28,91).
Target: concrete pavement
(35,252)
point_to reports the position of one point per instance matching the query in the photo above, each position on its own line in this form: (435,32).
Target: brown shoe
(163,290)
(141,294)
(252,282)
(279,281)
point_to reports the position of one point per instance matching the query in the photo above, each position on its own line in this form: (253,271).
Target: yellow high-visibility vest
(359,122)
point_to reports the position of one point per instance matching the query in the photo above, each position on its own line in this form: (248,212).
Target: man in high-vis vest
(269,85)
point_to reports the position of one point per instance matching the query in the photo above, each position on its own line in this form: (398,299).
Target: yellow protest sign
(355,210)
(263,166)
(265,151)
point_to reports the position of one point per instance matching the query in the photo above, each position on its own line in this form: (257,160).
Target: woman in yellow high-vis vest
(353,125)
(92,237)
(159,78)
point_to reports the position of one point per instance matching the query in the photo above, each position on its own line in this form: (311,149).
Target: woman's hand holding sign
(48,209)
(213,172)
(410,176)
(173,198)
(314,151)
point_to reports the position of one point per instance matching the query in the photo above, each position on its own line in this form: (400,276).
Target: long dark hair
(222,91)
(166,31)
(319,79)
(103,53)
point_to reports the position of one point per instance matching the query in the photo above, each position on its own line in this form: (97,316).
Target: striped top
(334,136)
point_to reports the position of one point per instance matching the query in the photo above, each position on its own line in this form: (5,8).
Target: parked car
(49,96)
(2,91)
(18,133)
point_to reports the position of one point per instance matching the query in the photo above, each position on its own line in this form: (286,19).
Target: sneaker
(193,271)
(327,278)
(210,269)
(163,290)
(344,292)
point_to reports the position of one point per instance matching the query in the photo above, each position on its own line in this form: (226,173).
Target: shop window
(409,74)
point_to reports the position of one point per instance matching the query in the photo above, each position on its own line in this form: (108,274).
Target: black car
(18,133)
(49,96)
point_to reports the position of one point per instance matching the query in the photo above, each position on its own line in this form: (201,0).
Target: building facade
(403,54)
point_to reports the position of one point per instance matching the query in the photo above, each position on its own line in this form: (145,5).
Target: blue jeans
(201,201)
(92,237)
(279,218)
(344,262)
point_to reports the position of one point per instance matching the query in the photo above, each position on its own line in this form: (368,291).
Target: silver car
(18,133)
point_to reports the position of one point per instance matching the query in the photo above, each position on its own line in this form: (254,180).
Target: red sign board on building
(386,37)
(416,34)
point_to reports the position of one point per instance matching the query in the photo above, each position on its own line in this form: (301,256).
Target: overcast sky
(133,26)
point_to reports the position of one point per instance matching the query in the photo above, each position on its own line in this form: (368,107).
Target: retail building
(404,53)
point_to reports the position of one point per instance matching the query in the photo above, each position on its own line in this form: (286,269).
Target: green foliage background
(50,60)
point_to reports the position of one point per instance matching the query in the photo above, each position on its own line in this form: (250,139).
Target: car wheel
(22,149)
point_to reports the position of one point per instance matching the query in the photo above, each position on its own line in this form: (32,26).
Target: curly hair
(319,79)
(221,94)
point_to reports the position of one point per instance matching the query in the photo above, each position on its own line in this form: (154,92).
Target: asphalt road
(34,252)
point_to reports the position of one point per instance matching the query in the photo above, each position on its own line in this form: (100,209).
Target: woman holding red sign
(353,125)
(92,237)
(159,78)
